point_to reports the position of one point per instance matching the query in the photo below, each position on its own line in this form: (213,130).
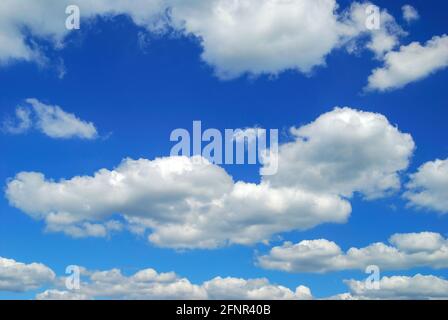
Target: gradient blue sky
(136,96)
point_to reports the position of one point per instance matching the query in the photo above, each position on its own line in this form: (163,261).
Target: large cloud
(189,203)
(19,277)
(425,249)
(345,151)
(237,36)
(185,202)
(261,36)
(50,120)
(149,284)
(410,63)
(428,187)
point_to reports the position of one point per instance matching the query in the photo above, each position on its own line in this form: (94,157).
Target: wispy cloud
(51,120)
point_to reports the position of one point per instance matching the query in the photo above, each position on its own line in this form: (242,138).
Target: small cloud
(21,124)
(50,120)
(410,13)
(143,40)
(410,63)
(61,70)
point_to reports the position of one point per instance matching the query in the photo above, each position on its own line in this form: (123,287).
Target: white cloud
(149,284)
(56,123)
(409,13)
(50,120)
(21,124)
(237,36)
(428,187)
(45,20)
(189,203)
(420,287)
(252,289)
(144,284)
(409,64)
(186,203)
(54,294)
(355,34)
(261,36)
(418,242)
(425,249)
(345,151)
(19,277)
(342,296)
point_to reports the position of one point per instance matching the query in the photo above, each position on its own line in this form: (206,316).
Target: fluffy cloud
(190,203)
(410,63)
(259,37)
(428,187)
(410,13)
(271,36)
(149,284)
(145,284)
(409,250)
(421,287)
(345,151)
(50,120)
(186,202)
(19,277)
(237,37)
(252,289)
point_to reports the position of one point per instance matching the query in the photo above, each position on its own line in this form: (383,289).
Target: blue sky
(135,96)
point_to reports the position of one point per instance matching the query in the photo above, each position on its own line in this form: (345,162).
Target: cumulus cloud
(252,289)
(50,120)
(55,294)
(186,203)
(410,250)
(409,64)
(345,151)
(190,203)
(143,285)
(148,284)
(237,37)
(409,13)
(20,277)
(418,287)
(259,37)
(428,187)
